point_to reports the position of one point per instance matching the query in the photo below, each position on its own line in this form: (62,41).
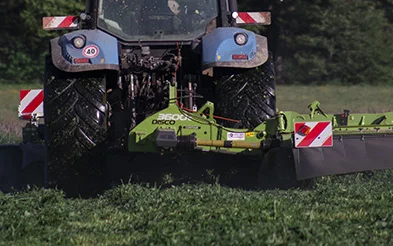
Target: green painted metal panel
(203,126)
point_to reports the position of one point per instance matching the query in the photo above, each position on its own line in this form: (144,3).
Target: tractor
(179,78)
(134,58)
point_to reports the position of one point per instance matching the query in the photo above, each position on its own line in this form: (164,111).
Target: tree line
(312,41)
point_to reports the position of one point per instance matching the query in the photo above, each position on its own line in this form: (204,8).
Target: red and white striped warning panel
(254,18)
(60,22)
(31,102)
(313,134)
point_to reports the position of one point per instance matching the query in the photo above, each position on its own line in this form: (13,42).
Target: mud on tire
(76,125)
(247,95)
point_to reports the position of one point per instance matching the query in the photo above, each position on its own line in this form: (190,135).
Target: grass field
(352,210)
(341,210)
(334,99)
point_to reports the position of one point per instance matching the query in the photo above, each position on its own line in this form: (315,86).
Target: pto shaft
(229,144)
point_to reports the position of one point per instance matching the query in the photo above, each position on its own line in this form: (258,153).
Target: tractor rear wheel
(75,110)
(247,95)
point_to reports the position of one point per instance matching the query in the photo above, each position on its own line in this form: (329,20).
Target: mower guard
(21,165)
(349,154)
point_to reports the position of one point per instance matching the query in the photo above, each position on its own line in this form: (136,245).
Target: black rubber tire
(247,95)
(75,110)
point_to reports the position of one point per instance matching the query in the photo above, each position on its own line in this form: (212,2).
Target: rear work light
(79,42)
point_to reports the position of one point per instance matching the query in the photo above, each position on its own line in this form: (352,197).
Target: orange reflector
(239,57)
(81,60)
(304,130)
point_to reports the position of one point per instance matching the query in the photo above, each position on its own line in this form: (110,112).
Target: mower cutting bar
(229,144)
(350,154)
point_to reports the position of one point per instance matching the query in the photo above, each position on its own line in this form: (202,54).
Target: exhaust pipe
(232,6)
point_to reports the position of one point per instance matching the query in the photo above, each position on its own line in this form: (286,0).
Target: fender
(219,46)
(99,53)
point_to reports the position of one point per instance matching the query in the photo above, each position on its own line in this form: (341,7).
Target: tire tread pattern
(75,112)
(247,95)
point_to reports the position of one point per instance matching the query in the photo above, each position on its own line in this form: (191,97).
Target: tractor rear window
(156,20)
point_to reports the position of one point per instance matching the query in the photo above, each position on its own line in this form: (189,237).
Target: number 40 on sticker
(91,51)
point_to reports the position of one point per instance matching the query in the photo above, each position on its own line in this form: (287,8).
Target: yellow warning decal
(250,134)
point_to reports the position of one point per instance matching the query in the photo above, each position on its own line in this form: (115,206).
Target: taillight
(81,60)
(304,130)
(239,57)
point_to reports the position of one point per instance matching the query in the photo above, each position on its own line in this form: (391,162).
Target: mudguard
(99,53)
(349,154)
(219,46)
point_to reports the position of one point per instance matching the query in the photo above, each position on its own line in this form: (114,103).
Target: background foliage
(23,43)
(337,41)
(313,41)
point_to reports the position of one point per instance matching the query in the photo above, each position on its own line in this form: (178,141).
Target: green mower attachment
(322,144)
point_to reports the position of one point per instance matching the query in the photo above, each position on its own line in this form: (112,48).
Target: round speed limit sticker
(91,51)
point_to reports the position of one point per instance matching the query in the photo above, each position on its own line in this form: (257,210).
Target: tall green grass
(338,211)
